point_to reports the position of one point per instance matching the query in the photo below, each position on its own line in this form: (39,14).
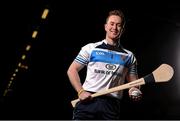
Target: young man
(108,65)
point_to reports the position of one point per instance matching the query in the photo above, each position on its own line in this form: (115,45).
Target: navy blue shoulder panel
(110,47)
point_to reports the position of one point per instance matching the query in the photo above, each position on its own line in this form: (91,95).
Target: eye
(111,24)
(118,25)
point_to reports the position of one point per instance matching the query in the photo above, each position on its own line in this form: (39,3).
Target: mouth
(114,32)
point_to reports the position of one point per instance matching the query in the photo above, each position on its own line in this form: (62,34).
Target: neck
(112,42)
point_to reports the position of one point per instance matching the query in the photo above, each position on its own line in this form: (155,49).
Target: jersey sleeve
(84,55)
(132,65)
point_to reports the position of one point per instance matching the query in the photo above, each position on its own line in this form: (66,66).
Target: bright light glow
(16,70)
(14,74)
(34,34)
(45,13)
(24,66)
(9,84)
(23,57)
(19,64)
(5,92)
(28,47)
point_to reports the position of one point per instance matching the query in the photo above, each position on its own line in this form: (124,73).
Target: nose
(114,27)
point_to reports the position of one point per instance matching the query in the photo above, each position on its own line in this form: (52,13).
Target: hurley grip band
(149,79)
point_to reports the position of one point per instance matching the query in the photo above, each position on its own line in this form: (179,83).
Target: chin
(114,37)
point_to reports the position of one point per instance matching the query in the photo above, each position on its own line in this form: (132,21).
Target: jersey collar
(105,41)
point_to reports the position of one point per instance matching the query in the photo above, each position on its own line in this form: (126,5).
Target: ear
(122,29)
(105,27)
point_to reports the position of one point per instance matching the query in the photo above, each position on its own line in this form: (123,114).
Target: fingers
(85,96)
(135,94)
(136,98)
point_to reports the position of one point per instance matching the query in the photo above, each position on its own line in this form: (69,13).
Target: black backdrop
(44,92)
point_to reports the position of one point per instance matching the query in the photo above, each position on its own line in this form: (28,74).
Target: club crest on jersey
(110,67)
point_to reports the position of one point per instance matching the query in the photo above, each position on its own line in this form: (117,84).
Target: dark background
(44,91)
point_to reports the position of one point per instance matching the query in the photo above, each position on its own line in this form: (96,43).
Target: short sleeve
(132,65)
(84,55)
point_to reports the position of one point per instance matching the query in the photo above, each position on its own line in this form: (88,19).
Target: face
(113,27)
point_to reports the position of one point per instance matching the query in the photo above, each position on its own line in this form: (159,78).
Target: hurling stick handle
(114,89)
(162,74)
(121,87)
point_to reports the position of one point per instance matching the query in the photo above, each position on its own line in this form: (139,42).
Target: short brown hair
(117,13)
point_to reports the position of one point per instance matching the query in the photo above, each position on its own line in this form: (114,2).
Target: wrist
(135,87)
(80,91)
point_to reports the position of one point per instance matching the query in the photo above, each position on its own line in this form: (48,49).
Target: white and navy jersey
(107,66)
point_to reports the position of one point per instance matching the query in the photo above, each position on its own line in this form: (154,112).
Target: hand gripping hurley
(162,74)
